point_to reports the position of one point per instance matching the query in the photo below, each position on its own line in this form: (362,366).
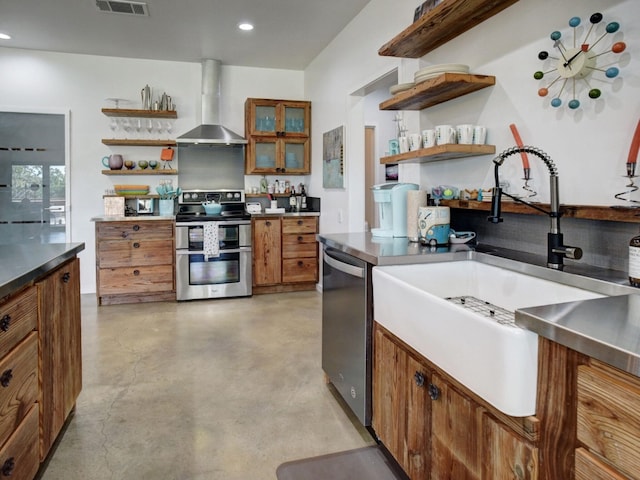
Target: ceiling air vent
(128,8)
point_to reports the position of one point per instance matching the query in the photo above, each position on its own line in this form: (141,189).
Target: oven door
(232,234)
(227,275)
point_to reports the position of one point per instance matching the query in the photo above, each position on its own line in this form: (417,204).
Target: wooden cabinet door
(267,251)
(456,433)
(401,405)
(60,349)
(505,454)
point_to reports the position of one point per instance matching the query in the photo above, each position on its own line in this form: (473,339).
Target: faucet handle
(574,253)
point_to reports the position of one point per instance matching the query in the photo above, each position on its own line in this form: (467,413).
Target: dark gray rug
(362,463)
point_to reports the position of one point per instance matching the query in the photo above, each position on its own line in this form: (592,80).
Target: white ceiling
(288,33)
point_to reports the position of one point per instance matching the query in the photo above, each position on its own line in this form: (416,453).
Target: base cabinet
(60,350)
(434,428)
(285,254)
(135,261)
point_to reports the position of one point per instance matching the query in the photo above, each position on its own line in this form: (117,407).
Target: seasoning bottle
(634,261)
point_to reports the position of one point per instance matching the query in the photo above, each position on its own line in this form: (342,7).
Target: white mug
(445,134)
(428,138)
(465,134)
(415,141)
(403,143)
(479,135)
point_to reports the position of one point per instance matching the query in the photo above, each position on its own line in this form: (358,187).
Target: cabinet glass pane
(265,119)
(294,119)
(294,156)
(266,155)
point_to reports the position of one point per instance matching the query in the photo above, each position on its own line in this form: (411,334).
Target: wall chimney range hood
(211,132)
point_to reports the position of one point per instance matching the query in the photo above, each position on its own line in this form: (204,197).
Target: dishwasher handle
(347,268)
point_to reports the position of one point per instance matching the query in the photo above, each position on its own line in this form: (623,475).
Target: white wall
(589,146)
(81,84)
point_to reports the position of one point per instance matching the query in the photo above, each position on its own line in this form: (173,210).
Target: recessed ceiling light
(4,36)
(245,26)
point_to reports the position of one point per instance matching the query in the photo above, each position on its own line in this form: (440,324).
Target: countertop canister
(415,200)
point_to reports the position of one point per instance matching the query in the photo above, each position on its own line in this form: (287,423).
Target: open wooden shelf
(438,26)
(126,112)
(440,152)
(146,171)
(437,90)
(139,143)
(586,212)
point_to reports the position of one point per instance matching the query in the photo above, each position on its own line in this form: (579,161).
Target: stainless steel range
(213,252)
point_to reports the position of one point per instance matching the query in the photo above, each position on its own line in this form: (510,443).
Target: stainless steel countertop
(286,214)
(607,328)
(24,263)
(390,251)
(132,218)
(604,328)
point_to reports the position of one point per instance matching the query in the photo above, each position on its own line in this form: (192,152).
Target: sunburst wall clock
(576,63)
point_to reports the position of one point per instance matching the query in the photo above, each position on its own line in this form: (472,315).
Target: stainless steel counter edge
(286,214)
(133,218)
(26,263)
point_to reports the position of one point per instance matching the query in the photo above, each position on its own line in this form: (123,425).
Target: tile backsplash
(604,244)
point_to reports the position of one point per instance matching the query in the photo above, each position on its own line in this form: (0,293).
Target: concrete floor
(220,389)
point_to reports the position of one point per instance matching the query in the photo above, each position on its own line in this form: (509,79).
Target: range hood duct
(211,132)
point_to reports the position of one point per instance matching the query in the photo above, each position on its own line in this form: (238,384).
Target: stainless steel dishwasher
(347,306)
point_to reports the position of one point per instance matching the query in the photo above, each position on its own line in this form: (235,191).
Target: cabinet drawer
(299,225)
(590,467)
(123,253)
(609,416)
(143,279)
(300,270)
(19,456)
(18,317)
(134,230)
(18,384)
(302,245)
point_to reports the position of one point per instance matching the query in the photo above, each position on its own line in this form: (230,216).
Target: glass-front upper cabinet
(278,132)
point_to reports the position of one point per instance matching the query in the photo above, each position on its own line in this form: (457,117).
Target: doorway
(33,178)
(369,176)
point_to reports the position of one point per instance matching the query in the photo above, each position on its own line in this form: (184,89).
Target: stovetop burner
(190,207)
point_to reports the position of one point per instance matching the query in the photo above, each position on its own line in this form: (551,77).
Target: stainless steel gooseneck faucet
(556,250)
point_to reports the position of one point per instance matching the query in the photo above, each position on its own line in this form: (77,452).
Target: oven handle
(184,251)
(222,222)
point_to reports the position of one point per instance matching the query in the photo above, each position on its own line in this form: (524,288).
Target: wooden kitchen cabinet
(19,431)
(267,254)
(436,429)
(608,429)
(60,350)
(285,254)
(278,133)
(135,261)
(401,405)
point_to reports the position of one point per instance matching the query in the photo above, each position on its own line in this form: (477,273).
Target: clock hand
(568,62)
(557,45)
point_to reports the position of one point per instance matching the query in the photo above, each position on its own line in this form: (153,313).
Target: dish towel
(211,245)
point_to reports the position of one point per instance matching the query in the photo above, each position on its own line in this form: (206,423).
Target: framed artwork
(333,158)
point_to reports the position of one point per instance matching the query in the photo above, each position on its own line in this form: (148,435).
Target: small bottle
(303,198)
(634,261)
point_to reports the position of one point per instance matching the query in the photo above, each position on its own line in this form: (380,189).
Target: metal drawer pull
(300,238)
(434,392)
(419,378)
(136,245)
(66,276)
(136,272)
(300,263)
(7,467)
(5,322)
(268,224)
(136,228)
(300,222)
(5,378)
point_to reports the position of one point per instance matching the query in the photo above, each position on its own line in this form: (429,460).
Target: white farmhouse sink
(496,360)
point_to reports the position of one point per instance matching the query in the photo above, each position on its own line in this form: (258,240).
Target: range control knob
(236,195)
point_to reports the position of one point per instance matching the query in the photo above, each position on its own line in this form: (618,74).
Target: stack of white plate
(435,70)
(401,87)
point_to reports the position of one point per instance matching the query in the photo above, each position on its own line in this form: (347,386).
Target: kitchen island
(40,351)
(586,423)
